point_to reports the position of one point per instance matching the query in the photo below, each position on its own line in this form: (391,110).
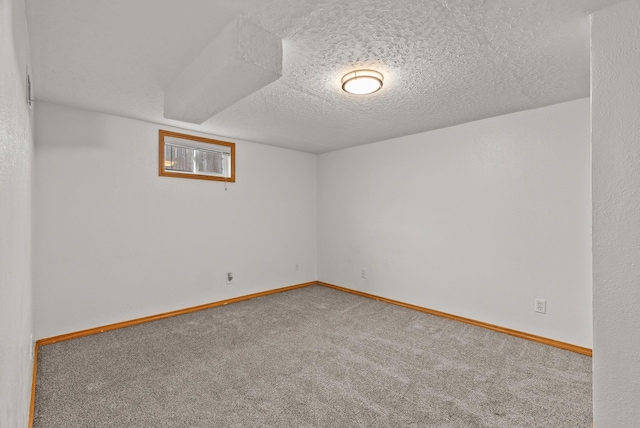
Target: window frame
(161,159)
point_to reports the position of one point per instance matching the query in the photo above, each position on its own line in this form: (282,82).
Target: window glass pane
(210,162)
(189,156)
(178,158)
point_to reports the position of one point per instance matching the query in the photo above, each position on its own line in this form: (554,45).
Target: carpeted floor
(311,357)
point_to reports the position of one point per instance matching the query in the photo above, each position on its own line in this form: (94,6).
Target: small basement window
(188,156)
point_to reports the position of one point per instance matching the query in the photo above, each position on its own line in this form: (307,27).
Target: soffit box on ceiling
(243,59)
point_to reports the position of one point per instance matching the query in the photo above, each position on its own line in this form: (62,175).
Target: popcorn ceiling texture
(445,62)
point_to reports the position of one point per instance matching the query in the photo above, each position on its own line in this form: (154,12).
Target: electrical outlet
(363,273)
(230,278)
(540,306)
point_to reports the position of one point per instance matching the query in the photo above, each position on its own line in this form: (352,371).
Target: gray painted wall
(476,220)
(15,218)
(615,39)
(114,241)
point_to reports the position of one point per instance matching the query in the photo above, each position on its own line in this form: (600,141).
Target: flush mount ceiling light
(362,82)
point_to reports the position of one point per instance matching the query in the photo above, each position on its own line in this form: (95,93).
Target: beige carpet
(311,357)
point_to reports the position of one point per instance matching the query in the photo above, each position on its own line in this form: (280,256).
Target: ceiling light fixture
(362,82)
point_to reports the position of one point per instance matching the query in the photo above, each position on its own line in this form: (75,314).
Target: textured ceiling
(445,61)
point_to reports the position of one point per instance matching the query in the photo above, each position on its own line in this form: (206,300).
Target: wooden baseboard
(32,404)
(115,326)
(520,334)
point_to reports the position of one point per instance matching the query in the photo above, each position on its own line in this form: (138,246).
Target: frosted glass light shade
(362,82)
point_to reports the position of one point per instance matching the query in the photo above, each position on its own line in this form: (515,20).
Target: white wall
(15,218)
(114,241)
(615,40)
(475,220)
